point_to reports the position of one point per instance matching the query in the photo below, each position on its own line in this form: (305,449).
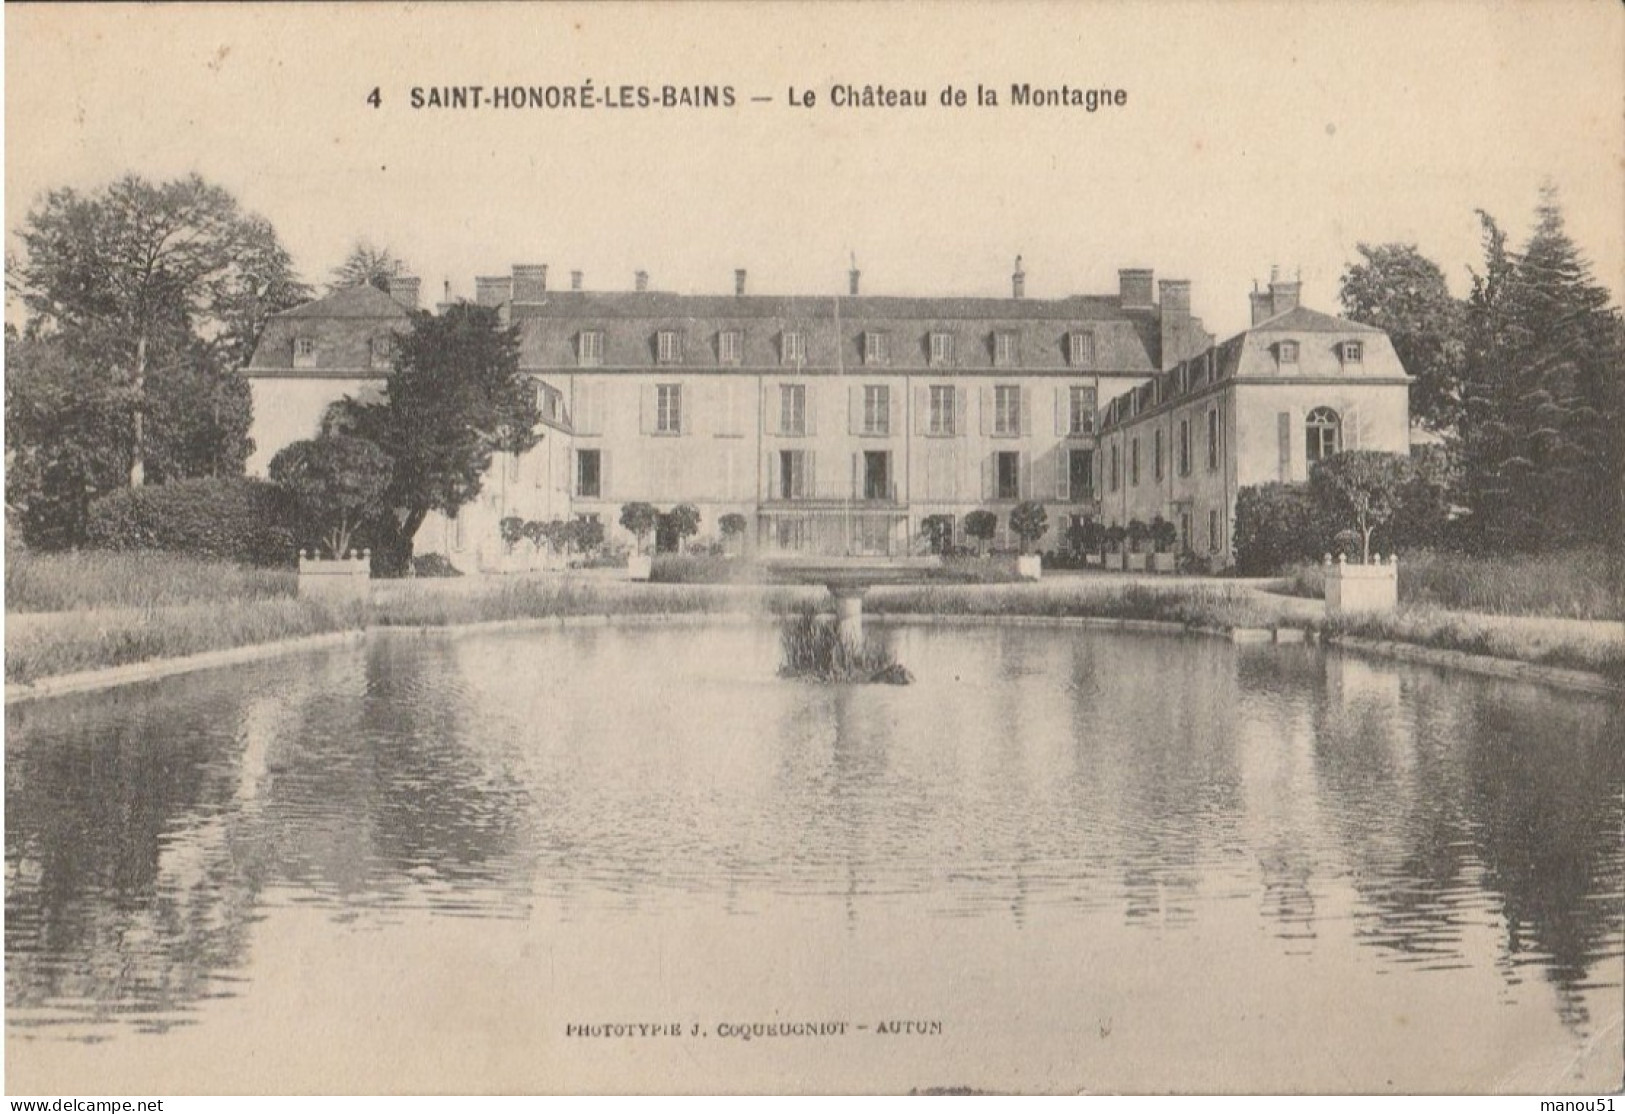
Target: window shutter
(646,408)
(922,411)
(774,401)
(987,477)
(810,400)
(1351,429)
(772,475)
(1025,480)
(894,420)
(985,410)
(1283,432)
(604,489)
(810,484)
(854,410)
(1063,408)
(857,475)
(1063,475)
(596,400)
(1026,412)
(961,412)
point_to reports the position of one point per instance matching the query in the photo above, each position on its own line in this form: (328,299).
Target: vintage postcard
(814,548)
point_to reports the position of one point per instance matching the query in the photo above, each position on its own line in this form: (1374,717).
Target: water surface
(1077,860)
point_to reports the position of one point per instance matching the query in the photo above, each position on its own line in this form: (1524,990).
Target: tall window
(1213,530)
(795,348)
(1116,478)
(942,411)
(1080,468)
(1213,439)
(1288,351)
(877,410)
(669,346)
(1007,410)
(669,408)
(1156,454)
(589,473)
(793,409)
(1006,349)
(792,474)
(730,342)
(1081,409)
(1080,349)
(1184,446)
(877,475)
(1134,462)
(876,350)
(590,348)
(1007,469)
(304,352)
(1323,434)
(942,348)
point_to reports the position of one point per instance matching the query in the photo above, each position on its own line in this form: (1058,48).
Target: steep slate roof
(343,324)
(1124,340)
(1302,320)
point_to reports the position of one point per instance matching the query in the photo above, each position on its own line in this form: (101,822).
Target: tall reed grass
(814,650)
(93,580)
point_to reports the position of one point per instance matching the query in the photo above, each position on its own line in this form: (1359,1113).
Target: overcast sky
(1253,134)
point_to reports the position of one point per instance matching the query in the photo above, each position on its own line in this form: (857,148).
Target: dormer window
(730,346)
(669,346)
(942,349)
(590,348)
(876,350)
(1353,352)
(1287,351)
(794,348)
(1006,349)
(383,349)
(304,352)
(1080,349)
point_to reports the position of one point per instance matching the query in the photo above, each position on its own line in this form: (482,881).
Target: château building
(839,424)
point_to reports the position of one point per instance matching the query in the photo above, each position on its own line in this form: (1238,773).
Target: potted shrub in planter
(1163,536)
(1028,521)
(982,525)
(1092,543)
(733,526)
(639,519)
(1138,532)
(1114,556)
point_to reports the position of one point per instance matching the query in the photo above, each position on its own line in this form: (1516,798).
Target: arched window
(1323,434)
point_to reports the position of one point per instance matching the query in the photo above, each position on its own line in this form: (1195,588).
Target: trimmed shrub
(1278,525)
(434,565)
(236,519)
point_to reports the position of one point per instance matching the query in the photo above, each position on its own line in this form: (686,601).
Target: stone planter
(1029,567)
(1094,560)
(1136,561)
(347,578)
(1162,562)
(1115,561)
(1361,589)
(639,566)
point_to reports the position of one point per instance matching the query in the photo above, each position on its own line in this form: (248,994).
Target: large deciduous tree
(336,482)
(1363,490)
(133,277)
(456,397)
(1402,292)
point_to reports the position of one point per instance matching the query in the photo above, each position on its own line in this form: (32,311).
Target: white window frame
(941,419)
(1006,410)
(1353,352)
(1006,348)
(942,349)
(1000,458)
(668,408)
(793,409)
(383,350)
(730,346)
(304,351)
(1080,345)
(794,347)
(1321,421)
(1184,446)
(1080,416)
(877,410)
(669,346)
(1287,351)
(876,348)
(590,347)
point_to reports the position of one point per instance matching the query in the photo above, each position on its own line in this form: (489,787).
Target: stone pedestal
(1361,589)
(639,566)
(849,612)
(344,579)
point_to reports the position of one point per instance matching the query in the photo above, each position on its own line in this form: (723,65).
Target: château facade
(838,425)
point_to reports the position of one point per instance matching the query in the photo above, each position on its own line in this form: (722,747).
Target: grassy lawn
(124,608)
(1575,584)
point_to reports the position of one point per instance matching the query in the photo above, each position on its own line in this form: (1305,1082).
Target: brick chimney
(1134,288)
(852,278)
(739,283)
(1283,295)
(575,280)
(1263,304)
(1177,327)
(1175,297)
(529,282)
(404,289)
(640,281)
(492,290)
(1018,281)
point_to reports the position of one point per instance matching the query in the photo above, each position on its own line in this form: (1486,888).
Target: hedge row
(236,519)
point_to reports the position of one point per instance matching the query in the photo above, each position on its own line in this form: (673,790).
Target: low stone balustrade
(1356,588)
(346,578)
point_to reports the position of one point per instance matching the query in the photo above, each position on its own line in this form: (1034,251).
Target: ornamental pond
(631,858)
